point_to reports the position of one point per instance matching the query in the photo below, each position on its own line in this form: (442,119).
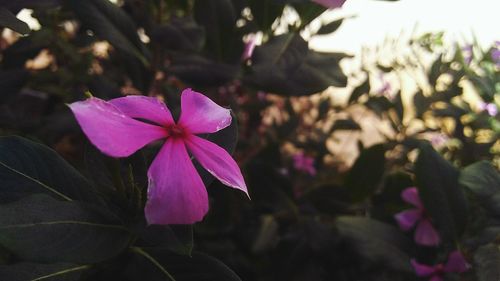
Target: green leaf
(160,265)
(286,66)
(330,27)
(377,241)
(365,175)
(42,229)
(203,72)
(27,167)
(362,89)
(483,180)
(487,263)
(111,23)
(38,272)
(176,238)
(265,12)
(9,20)
(437,181)
(219,17)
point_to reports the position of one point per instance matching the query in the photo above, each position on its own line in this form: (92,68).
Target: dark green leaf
(35,272)
(377,241)
(176,238)
(201,71)
(218,17)
(286,66)
(111,23)
(181,35)
(362,89)
(365,175)
(330,27)
(265,12)
(345,124)
(487,263)
(437,181)
(483,180)
(42,229)
(27,167)
(159,265)
(9,20)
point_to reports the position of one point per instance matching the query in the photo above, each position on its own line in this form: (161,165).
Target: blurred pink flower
(467,53)
(425,233)
(304,163)
(456,263)
(490,108)
(249,48)
(330,4)
(438,140)
(176,193)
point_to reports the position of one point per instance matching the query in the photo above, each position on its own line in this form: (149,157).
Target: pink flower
(330,4)
(425,233)
(176,193)
(304,163)
(490,108)
(456,263)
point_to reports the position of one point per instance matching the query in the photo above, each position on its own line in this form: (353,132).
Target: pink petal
(422,270)
(407,219)
(176,194)
(456,263)
(110,130)
(426,234)
(217,161)
(148,108)
(410,195)
(330,4)
(200,114)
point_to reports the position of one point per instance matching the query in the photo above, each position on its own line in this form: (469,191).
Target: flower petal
(330,4)
(410,195)
(110,130)
(407,219)
(200,114)
(422,270)
(456,263)
(426,234)
(176,194)
(148,108)
(217,161)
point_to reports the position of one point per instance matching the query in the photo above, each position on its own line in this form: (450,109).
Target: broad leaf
(286,66)
(160,265)
(483,180)
(179,34)
(218,17)
(42,229)
(201,71)
(437,181)
(365,175)
(111,23)
(9,20)
(27,167)
(377,241)
(265,12)
(35,272)
(487,263)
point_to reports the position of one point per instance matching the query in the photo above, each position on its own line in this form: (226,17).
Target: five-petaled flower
(425,233)
(176,193)
(455,264)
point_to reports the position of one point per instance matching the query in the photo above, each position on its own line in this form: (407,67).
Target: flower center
(175,131)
